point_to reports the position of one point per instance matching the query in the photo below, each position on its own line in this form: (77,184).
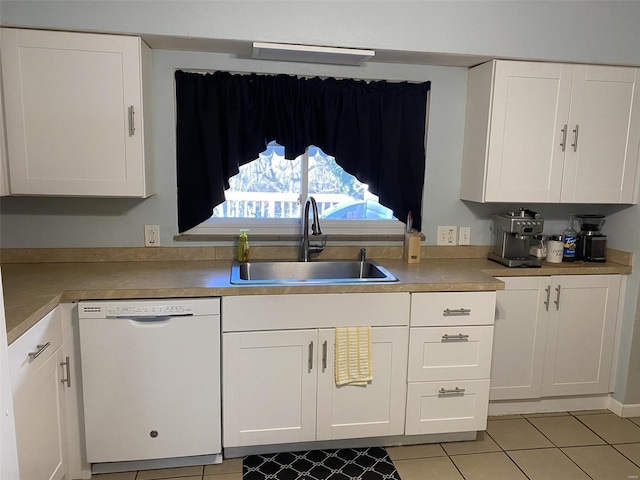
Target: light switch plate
(465,236)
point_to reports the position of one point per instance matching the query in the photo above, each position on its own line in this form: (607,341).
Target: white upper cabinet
(75,120)
(551,133)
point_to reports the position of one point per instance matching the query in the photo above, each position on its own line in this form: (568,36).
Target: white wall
(594,32)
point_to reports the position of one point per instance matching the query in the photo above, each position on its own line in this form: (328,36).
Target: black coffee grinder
(592,245)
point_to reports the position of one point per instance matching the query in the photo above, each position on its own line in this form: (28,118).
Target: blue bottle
(570,239)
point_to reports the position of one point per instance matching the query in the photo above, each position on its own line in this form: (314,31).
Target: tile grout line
(506,453)
(560,448)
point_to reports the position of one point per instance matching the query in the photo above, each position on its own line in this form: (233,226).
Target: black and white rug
(341,464)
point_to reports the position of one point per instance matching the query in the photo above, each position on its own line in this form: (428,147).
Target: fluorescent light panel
(310,54)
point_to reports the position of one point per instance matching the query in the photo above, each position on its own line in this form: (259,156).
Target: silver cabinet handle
(459,336)
(324,356)
(563,144)
(575,139)
(310,356)
(445,391)
(448,312)
(40,349)
(546,302)
(67,380)
(132,126)
(557,300)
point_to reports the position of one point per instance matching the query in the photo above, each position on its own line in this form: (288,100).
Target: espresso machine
(511,233)
(592,245)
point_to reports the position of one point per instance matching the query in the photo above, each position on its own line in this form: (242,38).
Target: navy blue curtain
(375,131)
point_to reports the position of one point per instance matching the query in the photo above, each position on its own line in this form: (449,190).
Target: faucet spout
(306,247)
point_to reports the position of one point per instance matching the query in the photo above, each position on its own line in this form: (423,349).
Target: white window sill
(289,238)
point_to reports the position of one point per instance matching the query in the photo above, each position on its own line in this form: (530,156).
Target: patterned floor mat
(341,464)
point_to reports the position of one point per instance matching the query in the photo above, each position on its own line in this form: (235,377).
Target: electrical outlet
(447,236)
(152,235)
(465,236)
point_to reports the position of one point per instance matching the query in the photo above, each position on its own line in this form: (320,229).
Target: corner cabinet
(77,112)
(549,133)
(554,336)
(278,368)
(38,378)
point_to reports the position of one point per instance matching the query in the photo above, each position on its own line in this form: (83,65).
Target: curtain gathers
(375,130)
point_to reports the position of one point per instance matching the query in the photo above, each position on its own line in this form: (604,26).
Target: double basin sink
(284,272)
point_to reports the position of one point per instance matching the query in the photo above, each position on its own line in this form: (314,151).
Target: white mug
(554,251)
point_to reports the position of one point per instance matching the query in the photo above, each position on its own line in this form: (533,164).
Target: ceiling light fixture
(287,52)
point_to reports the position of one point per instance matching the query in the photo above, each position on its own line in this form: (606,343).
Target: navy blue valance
(375,130)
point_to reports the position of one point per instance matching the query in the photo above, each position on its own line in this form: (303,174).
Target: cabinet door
(73,113)
(529,111)
(520,334)
(581,334)
(376,409)
(604,134)
(269,387)
(40,427)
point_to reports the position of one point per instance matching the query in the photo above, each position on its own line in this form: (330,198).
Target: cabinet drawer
(450,353)
(452,308)
(436,407)
(46,331)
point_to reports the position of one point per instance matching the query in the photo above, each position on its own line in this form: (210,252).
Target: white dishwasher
(151,378)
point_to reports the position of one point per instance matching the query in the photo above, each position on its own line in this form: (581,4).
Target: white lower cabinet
(450,342)
(554,336)
(38,371)
(279,385)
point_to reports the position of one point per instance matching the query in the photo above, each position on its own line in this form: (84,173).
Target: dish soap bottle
(570,239)
(243,246)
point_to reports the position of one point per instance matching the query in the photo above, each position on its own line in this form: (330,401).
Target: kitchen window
(373,130)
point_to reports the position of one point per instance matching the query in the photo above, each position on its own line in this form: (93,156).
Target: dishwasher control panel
(149,308)
(143,311)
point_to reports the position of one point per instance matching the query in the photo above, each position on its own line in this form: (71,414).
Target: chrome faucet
(306,247)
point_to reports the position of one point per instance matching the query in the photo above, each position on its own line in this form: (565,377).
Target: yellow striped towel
(353,356)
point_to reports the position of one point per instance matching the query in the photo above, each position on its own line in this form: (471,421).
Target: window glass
(272,187)
(269,187)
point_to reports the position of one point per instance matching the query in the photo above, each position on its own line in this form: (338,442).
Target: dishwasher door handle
(148,318)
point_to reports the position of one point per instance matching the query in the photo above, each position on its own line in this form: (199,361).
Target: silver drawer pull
(324,356)
(132,125)
(445,391)
(564,137)
(456,311)
(459,336)
(41,348)
(67,380)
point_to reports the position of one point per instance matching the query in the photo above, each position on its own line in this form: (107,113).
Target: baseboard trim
(624,410)
(389,441)
(560,404)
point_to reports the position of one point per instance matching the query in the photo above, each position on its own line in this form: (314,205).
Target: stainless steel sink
(279,272)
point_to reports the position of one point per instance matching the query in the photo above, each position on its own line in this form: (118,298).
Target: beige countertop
(32,289)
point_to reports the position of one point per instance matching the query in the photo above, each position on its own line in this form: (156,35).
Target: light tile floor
(583,445)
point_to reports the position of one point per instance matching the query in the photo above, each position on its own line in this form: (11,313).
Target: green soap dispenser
(243,246)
